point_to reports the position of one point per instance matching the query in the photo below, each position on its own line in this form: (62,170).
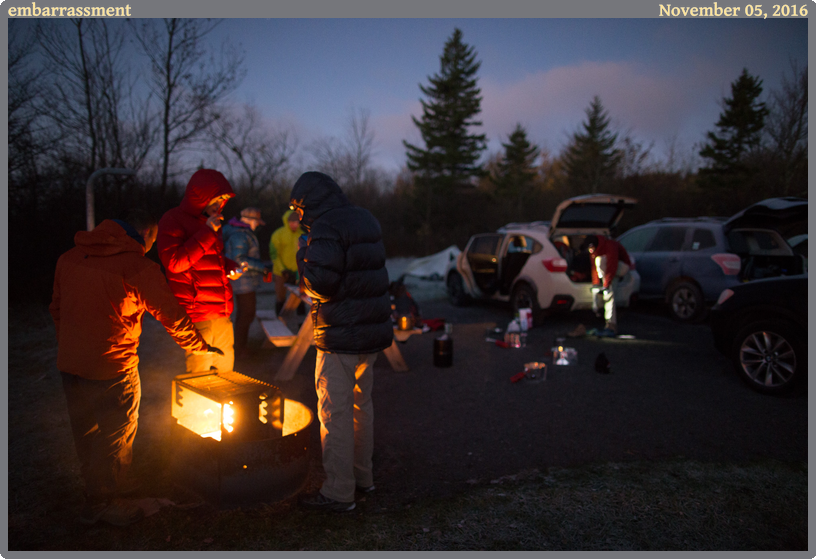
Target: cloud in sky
(658,79)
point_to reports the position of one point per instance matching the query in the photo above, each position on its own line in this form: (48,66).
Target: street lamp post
(89,193)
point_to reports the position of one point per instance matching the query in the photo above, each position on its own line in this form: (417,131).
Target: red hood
(204,185)
(106,239)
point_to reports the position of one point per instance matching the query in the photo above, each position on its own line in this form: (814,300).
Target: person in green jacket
(283,247)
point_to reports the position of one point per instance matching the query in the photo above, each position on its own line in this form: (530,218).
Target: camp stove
(236,439)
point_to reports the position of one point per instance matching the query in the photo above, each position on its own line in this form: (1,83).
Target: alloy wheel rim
(684,303)
(768,359)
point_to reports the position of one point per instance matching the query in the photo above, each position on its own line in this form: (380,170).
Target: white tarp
(433,266)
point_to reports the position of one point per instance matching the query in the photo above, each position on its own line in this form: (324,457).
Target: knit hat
(253,213)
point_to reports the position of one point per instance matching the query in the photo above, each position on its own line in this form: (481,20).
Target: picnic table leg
(293,301)
(395,358)
(298,350)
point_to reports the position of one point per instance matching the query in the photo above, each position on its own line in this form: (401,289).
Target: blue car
(688,262)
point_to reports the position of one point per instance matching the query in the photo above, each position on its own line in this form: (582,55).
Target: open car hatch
(590,213)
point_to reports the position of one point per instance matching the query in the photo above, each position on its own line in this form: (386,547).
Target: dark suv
(690,261)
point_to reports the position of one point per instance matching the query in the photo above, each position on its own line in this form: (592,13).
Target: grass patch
(681,505)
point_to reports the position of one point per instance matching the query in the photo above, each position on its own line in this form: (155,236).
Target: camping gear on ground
(602,364)
(515,337)
(525,319)
(431,324)
(564,355)
(533,372)
(443,351)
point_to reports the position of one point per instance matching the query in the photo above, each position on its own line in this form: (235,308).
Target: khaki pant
(217,333)
(607,298)
(104,415)
(343,383)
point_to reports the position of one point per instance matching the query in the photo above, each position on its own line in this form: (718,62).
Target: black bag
(602,364)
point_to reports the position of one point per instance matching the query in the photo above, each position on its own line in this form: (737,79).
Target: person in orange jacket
(102,288)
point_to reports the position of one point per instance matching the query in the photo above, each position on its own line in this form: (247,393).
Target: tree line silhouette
(153,96)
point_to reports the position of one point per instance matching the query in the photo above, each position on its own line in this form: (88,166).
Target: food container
(564,355)
(525,319)
(535,371)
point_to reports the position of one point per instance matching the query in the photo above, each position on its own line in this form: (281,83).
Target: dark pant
(104,415)
(244,315)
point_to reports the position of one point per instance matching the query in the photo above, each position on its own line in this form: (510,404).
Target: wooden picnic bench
(280,335)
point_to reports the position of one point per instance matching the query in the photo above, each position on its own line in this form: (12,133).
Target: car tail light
(562,302)
(555,264)
(730,263)
(724,296)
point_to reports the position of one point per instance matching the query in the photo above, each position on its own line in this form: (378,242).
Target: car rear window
(485,245)
(668,239)
(702,238)
(638,240)
(758,242)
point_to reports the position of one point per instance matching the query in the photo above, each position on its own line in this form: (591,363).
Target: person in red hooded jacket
(609,262)
(191,249)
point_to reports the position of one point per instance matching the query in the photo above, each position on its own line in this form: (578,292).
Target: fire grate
(232,443)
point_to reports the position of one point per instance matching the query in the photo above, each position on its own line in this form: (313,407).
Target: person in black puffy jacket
(341,263)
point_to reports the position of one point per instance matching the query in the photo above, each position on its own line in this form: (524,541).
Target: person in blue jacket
(241,245)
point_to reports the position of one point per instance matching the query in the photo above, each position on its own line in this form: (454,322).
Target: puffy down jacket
(342,269)
(102,287)
(241,245)
(193,254)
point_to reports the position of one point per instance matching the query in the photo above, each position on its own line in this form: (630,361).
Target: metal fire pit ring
(235,473)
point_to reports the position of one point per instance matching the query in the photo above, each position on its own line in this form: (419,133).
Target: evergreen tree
(516,172)
(591,159)
(738,134)
(451,151)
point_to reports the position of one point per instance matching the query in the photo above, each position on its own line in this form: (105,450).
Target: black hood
(316,194)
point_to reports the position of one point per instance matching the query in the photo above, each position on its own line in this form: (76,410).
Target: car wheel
(686,302)
(524,297)
(769,356)
(456,290)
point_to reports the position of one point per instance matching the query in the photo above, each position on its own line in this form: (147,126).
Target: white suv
(539,265)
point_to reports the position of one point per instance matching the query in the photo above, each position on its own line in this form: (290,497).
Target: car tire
(456,290)
(524,297)
(769,356)
(686,303)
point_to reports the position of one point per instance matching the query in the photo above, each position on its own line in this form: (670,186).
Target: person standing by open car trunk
(102,288)
(609,261)
(342,269)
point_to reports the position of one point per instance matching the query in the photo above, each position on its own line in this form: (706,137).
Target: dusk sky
(658,78)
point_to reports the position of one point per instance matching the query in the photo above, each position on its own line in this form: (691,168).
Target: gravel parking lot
(670,395)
